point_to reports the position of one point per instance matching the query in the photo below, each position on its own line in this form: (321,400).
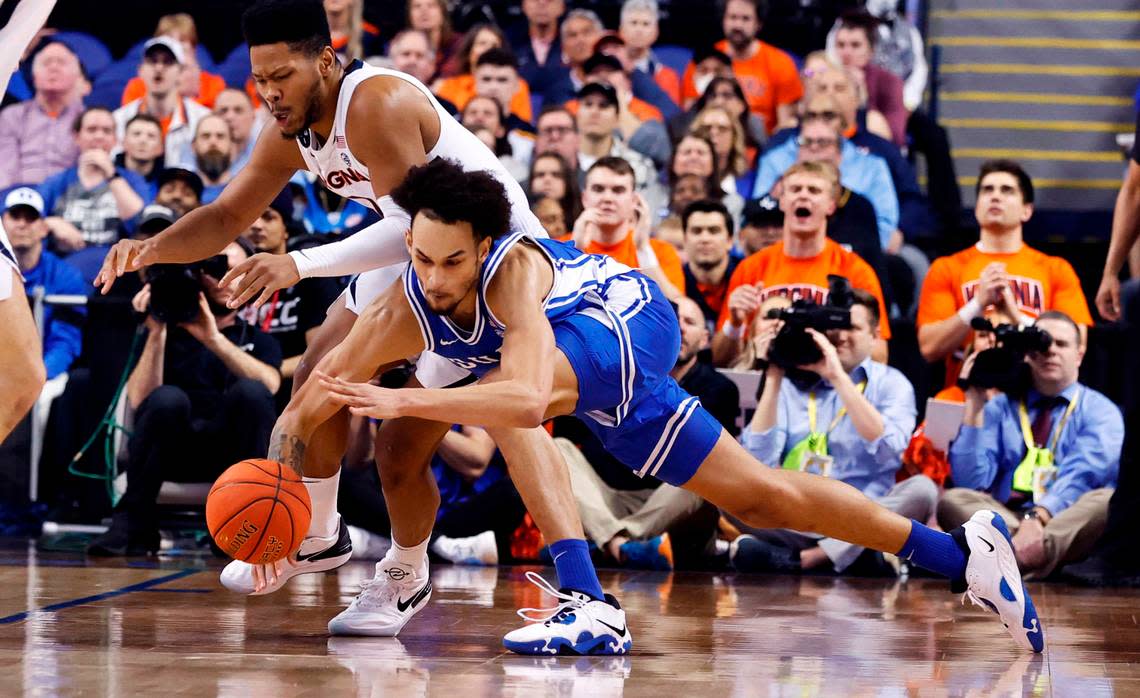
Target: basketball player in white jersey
(360,129)
(22,372)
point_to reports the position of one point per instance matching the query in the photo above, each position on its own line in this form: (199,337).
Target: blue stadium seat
(107,89)
(93,53)
(235,68)
(676,57)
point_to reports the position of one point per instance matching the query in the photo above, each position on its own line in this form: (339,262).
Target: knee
(247,393)
(34,375)
(771,505)
(397,462)
(166,401)
(923,495)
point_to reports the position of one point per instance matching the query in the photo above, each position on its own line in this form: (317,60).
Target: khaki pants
(637,514)
(1069,537)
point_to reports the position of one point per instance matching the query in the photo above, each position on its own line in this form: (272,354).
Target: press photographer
(1045,458)
(844,416)
(1003,366)
(201,394)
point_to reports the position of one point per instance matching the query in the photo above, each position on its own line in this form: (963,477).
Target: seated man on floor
(630,518)
(1047,461)
(845,417)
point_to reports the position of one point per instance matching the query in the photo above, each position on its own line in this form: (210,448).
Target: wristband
(731,331)
(970,311)
(646,257)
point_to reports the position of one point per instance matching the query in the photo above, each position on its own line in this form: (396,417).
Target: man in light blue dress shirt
(1055,502)
(866,412)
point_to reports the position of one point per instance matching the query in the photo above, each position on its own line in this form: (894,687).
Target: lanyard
(838,416)
(1027,430)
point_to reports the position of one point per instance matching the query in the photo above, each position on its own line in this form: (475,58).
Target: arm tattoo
(288,450)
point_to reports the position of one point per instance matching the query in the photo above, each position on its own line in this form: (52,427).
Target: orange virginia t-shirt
(805,277)
(460,89)
(626,253)
(768,79)
(1039,282)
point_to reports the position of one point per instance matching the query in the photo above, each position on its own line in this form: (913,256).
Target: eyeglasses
(558,131)
(805,142)
(826,115)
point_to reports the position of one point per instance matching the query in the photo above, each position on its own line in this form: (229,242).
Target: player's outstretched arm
(385,333)
(521,391)
(205,231)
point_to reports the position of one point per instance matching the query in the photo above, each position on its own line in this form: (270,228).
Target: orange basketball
(258,511)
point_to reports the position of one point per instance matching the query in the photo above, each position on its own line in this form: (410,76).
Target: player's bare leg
(22,372)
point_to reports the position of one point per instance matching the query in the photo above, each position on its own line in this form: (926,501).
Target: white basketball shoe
(314,555)
(580,624)
(385,603)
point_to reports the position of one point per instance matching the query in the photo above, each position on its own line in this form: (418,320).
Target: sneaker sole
(305,568)
(591,645)
(350,629)
(1030,623)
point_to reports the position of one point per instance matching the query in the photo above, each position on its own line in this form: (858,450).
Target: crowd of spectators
(741,180)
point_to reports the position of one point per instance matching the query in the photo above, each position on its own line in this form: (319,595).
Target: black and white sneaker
(314,555)
(385,603)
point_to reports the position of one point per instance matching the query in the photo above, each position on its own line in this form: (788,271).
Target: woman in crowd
(727,136)
(551,177)
(432,18)
(458,87)
(696,154)
(352,37)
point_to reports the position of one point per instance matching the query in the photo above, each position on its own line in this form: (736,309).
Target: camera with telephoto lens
(793,346)
(174,288)
(1003,367)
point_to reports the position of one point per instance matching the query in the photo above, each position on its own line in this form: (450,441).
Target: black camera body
(793,346)
(174,288)
(1003,367)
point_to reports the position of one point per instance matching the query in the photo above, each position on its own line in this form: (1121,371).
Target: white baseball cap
(175,47)
(24,196)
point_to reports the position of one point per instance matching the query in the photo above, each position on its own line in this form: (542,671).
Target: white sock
(415,556)
(322,493)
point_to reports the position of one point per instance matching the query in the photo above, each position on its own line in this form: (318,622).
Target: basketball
(258,511)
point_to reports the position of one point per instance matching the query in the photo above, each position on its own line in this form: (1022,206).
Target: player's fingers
(250,285)
(238,270)
(266,294)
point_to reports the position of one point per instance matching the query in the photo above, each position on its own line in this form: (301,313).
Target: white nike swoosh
(445,343)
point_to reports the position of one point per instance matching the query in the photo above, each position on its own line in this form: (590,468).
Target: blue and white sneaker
(580,624)
(993,580)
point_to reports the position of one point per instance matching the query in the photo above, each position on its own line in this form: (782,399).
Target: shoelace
(377,591)
(545,615)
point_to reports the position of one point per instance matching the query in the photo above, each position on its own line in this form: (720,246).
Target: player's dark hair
(1024,183)
(499,57)
(707,206)
(864,298)
(301,24)
(443,191)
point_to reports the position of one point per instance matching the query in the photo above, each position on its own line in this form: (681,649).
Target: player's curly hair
(443,191)
(302,24)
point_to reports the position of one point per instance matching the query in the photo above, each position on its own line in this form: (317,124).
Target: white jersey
(7,259)
(341,172)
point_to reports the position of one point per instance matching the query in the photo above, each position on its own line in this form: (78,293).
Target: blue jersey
(580,281)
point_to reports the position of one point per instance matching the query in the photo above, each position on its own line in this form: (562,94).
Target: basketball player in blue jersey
(552,331)
(22,372)
(359,129)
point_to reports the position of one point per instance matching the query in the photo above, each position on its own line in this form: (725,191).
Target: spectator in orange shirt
(616,221)
(639,29)
(195,83)
(1000,272)
(708,232)
(461,87)
(767,74)
(797,266)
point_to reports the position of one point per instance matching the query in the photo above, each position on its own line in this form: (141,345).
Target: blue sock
(574,567)
(934,550)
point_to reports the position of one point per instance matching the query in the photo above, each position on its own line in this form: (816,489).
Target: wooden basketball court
(71,625)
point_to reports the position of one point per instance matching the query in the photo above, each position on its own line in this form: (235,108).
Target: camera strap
(814,445)
(1036,471)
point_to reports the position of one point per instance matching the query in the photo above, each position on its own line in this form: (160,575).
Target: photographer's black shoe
(120,540)
(750,554)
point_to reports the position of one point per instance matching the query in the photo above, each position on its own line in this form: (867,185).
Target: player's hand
(204,327)
(125,256)
(1108,298)
(264,273)
(362,399)
(743,302)
(265,575)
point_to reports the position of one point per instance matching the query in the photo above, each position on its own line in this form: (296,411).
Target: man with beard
(235,107)
(202,396)
(768,76)
(213,154)
(707,228)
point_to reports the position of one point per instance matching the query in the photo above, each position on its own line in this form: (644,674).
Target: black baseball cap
(601,60)
(599,88)
(711,52)
(177,174)
(763,213)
